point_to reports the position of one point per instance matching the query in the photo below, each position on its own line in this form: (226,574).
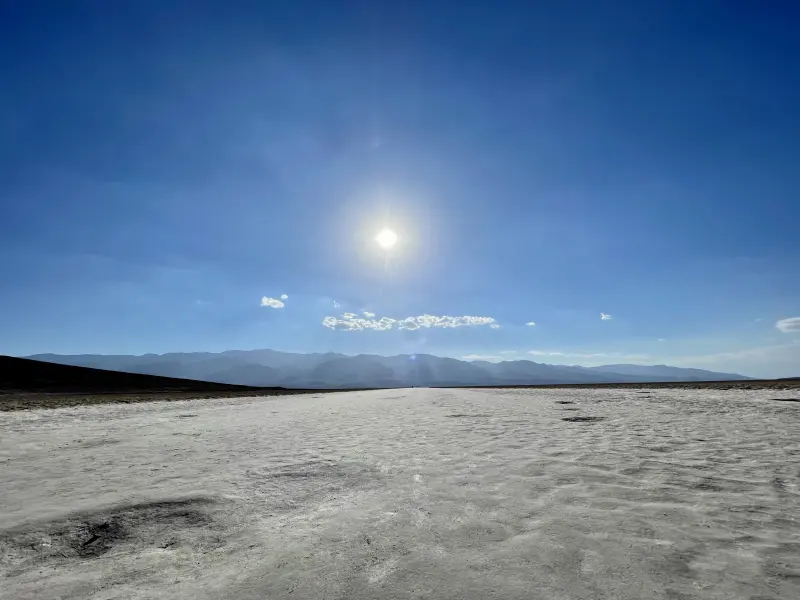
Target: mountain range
(267,368)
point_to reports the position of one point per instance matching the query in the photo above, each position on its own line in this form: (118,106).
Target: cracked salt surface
(417,493)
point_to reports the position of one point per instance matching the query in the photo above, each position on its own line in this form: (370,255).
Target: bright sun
(386,238)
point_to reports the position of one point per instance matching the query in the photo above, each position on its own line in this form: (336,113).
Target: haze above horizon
(568,183)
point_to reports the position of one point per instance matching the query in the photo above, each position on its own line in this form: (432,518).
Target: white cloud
(605,316)
(284,297)
(448,322)
(508,351)
(790,325)
(336,304)
(530,324)
(408,323)
(271,302)
(352,322)
(368,314)
(494,326)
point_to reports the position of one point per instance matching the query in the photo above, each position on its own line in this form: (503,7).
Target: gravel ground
(26,400)
(424,493)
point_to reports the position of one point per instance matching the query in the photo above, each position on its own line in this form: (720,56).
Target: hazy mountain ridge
(660,371)
(331,370)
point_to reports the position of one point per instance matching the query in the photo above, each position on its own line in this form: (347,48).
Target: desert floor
(537,494)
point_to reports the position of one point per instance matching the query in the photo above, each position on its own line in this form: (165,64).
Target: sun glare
(386,238)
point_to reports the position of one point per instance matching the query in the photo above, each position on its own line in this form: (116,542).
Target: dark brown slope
(33,376)
(26,384)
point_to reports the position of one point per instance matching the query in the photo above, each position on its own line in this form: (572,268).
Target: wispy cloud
(662,339)
(508,351)
(530,324)
(284,297)
(609,355)
(746,353)
(336,304)
(352,322)
(494,326)
(605,316)
(271,302)
(790,325)
(368,314)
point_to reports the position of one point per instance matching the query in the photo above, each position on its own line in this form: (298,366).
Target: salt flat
(422,493)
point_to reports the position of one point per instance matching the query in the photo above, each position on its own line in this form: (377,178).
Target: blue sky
(166,165)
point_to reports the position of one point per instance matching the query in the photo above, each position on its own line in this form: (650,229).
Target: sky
(569,182)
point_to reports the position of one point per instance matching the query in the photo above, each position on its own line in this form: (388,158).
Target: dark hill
(26,375)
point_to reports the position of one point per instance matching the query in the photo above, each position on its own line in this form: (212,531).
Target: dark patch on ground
(95,443)
(785,399)
(582,419)
(707,484)
(187,416)
(778,484)
(90,535)
(467,416)
(677,595)
(564,402)
(95,539)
